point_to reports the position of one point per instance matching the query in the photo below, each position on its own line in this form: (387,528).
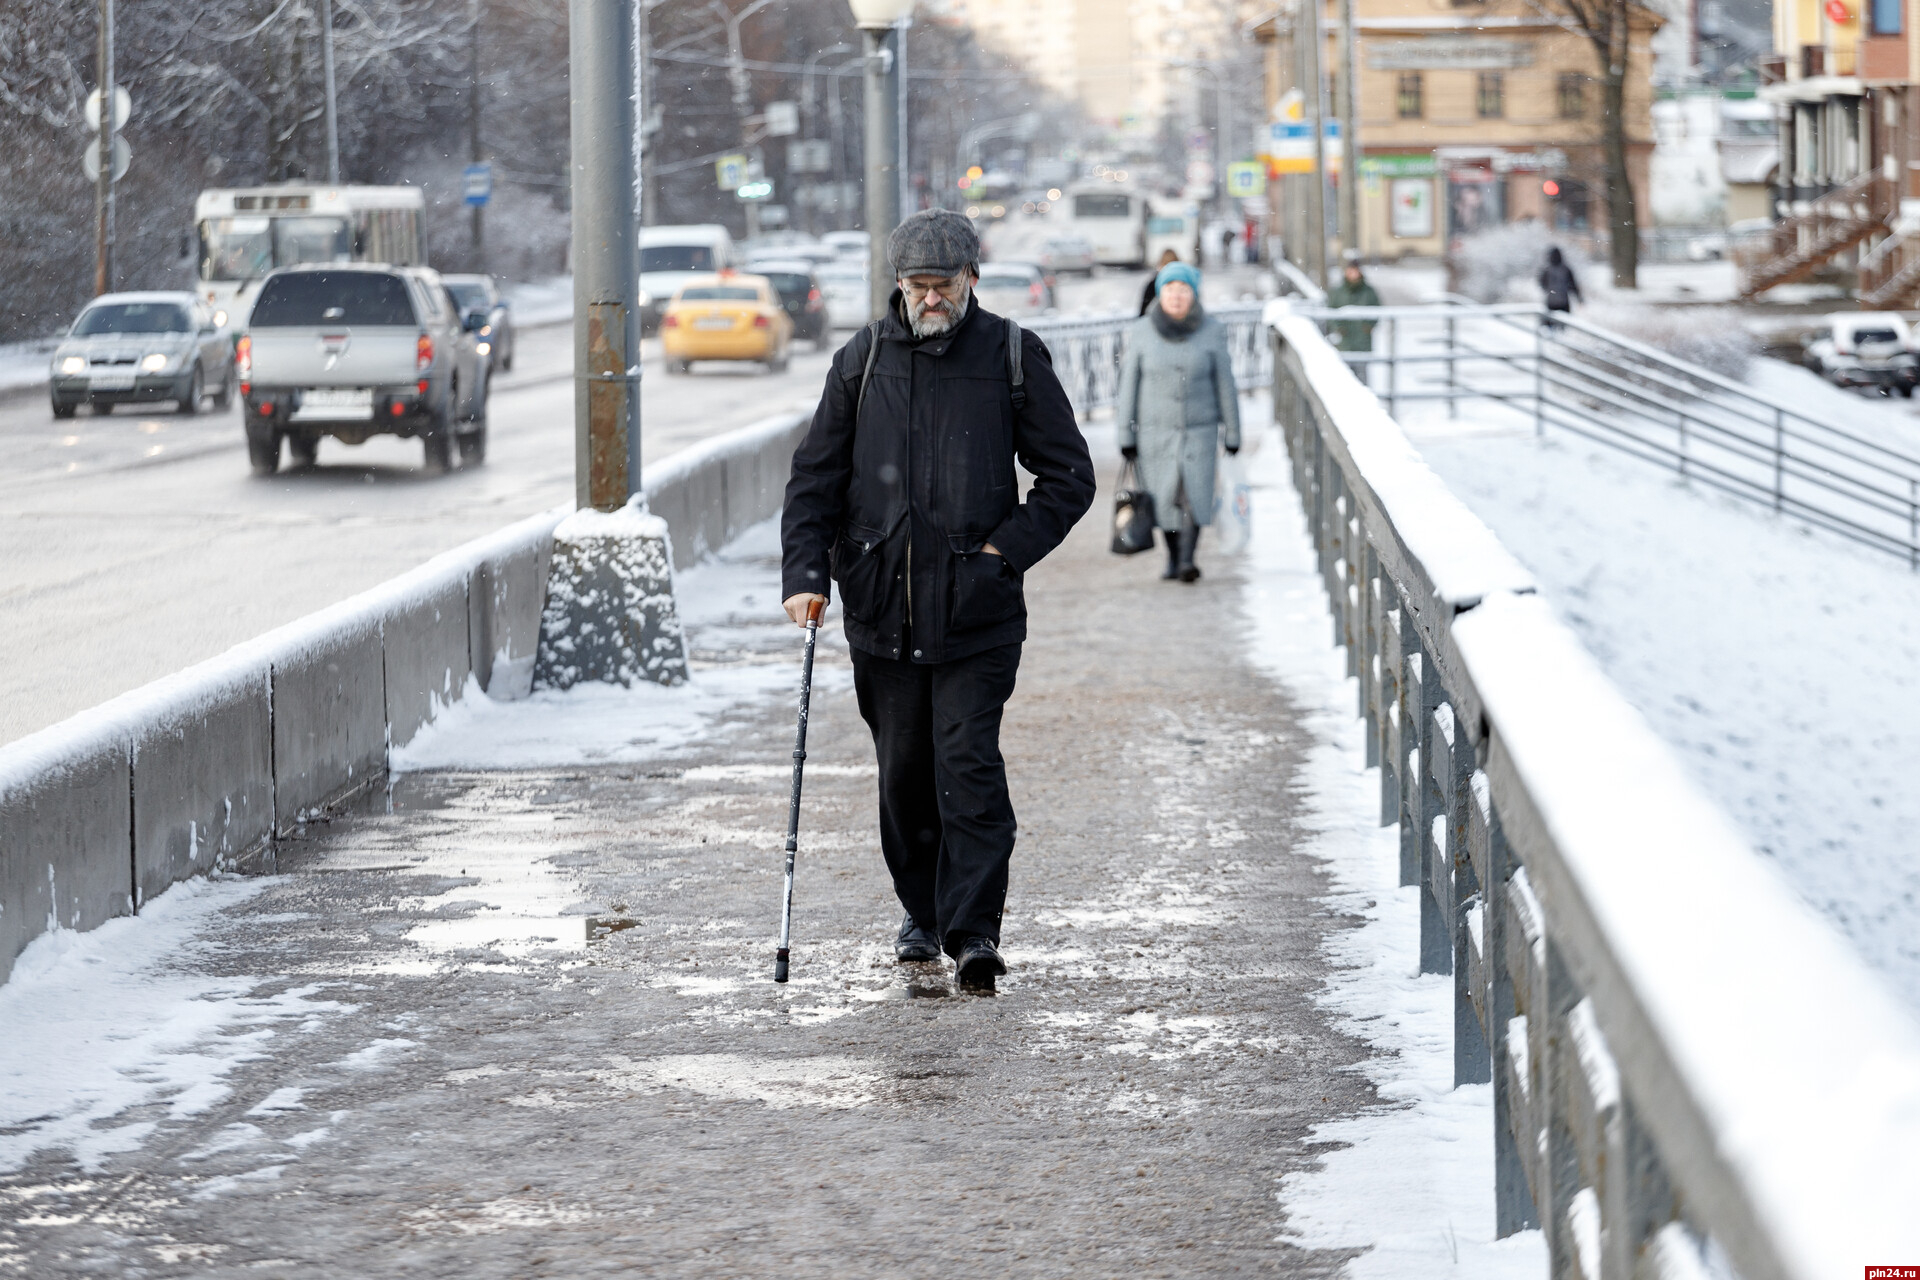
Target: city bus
(1113,220)
(248,231)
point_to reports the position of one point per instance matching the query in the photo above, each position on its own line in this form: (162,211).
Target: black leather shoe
(979,963)
(914,944)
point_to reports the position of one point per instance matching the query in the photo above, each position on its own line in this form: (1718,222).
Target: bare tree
(1608,25)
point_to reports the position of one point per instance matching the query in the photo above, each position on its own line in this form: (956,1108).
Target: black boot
(914,944)
(1173,554)
(1189,541)
(978,963)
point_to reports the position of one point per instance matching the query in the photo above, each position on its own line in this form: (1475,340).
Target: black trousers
(946,821)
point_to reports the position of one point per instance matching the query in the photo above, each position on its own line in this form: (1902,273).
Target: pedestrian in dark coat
(1177,405)
(1559,283)
(907,497)
(1167,258)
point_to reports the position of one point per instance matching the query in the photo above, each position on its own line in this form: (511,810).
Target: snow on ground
(742,652)
(102,1022)
(1784,663)
(540,302)
(1411,1183)
(1424,280)
(24,364)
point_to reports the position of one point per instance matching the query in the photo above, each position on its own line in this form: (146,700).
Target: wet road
(448,1080)
(137,543)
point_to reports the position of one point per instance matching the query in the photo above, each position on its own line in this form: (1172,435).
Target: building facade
(1470,115)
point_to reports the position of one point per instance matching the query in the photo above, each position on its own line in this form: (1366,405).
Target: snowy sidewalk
(402,1056)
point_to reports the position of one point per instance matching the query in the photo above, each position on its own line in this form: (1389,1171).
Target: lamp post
(879,21)
(606,260)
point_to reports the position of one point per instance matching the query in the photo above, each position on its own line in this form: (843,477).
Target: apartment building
(1470,115)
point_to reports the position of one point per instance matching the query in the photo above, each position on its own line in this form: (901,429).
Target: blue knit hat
(1180,271)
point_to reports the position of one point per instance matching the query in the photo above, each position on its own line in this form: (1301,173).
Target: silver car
(137,348)
(1014,289)
(354,351)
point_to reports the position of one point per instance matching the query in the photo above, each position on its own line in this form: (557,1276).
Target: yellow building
(1469,115)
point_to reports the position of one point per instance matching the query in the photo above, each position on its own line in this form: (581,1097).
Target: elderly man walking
(904,493)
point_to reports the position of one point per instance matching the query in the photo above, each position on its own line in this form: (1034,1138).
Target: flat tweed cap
(933,242)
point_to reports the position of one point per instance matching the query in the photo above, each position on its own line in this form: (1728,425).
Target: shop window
(1572,95)
(1410,99)
(1490,100)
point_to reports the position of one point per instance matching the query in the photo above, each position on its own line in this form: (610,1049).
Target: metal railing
(1087,350)
(1685,1064)
(1710,430)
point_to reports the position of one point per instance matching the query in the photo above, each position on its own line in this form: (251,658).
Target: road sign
(731,171)
(476,184)
(783,119)
(1290,146)
(122,109)
(813,155)
(90,159)
(1246,179)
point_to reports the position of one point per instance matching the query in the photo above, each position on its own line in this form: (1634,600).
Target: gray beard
(925,324)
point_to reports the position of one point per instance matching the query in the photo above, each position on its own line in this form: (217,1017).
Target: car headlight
(155,362)
(73,365)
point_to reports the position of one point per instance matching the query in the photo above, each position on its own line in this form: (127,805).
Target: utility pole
(883,163)
(103,185)
(903,131)
(643,38)
(606,277)
(479,212)
(742,91)
(332,108)
(1349,132)
(1313,30)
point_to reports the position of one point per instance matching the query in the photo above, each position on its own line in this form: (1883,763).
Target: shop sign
(1419,164)
(1450,53)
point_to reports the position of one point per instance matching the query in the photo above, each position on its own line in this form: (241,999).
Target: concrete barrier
(100,813)
(64,859)
(329,716)
(425,640)
(203,779)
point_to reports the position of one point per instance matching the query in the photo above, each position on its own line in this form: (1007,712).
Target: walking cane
(793,805)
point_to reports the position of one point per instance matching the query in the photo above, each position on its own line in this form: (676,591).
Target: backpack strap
(1016,376)
(873,350)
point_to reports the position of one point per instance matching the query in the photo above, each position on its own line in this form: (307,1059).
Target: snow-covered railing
(1609,388)
(206,768)
(1086,350)
(1691,1074)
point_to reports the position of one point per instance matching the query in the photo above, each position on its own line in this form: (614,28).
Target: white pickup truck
(354,351)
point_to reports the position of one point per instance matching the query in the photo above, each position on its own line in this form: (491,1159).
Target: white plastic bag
(1232,505)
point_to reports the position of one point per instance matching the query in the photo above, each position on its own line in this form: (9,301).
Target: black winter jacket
(898,507)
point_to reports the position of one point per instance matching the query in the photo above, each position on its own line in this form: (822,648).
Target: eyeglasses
(945,288)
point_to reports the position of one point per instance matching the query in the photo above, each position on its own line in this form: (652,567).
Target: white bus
(246,232)
(1113,220)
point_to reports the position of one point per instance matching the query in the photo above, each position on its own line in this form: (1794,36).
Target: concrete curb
(205,768)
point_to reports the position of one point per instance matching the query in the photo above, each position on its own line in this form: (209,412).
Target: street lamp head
(871,14)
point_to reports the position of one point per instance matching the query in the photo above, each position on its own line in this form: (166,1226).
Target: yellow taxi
(730,316)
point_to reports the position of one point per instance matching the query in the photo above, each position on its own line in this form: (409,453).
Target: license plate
(111,381)
(713,322)
(327,402)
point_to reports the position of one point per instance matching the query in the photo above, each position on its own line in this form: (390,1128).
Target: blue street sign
(477,183)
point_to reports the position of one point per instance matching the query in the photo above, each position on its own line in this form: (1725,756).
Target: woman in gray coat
(1177,406)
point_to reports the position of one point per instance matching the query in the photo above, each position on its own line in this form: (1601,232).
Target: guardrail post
(1560,1168)
(1471,1062)
(1393,365)
(1539,379)
(1419,695)
(1779,458)
(1913,524)
(1683,445)
(1391,725)
(1438,901)
(1512,1196)
(1370,650)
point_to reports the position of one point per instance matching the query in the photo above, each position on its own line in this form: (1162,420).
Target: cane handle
(815,608)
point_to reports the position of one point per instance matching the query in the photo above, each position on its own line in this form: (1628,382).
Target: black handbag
(1132,514)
